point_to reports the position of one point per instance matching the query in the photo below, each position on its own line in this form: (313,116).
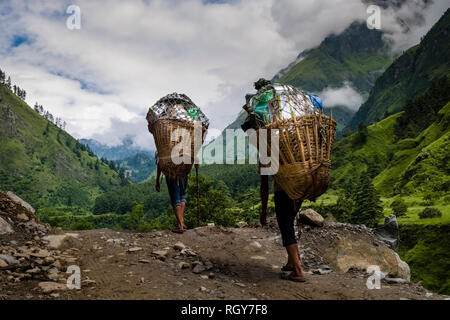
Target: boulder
(21,202)
(56,241)
(389,233)
(311,217)
(5,227)
(16,209)
(350,252)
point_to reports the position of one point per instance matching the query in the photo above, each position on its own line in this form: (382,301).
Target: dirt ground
(217,263)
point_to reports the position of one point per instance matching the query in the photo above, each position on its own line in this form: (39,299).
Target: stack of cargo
(172,112)
(306,137)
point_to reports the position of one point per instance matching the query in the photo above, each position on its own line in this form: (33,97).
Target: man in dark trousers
(286,211)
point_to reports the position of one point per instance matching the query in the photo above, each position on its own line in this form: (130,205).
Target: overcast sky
(102,78)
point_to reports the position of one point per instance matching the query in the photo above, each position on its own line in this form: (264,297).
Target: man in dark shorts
(286,211)
(177,192)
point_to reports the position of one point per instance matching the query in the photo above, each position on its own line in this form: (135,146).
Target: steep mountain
(358,56)
(44,164)
(409,75)
(141,166)
(119,152)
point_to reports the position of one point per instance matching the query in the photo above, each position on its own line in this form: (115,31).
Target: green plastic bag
(261,106)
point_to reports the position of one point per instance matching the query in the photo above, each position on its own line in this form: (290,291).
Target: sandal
(177,230)
(288,276)
(287,268)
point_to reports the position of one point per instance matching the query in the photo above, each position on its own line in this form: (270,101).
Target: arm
(264,192)
(158,176)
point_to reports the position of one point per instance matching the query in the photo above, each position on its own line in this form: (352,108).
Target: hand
(157,186)
(197,166)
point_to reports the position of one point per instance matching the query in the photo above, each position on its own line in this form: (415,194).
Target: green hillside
(42,163)
(397,166)
(409,75)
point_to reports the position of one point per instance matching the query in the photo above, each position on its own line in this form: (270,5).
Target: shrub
(399,207)
(430,213)
(82,225)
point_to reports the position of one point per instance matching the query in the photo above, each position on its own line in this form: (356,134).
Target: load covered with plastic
(174,116)
(305,137)
(275,102)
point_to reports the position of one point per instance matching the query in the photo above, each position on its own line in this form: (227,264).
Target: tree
(399,207)
(344,209)
(8,83)
(136,218)
(36,108)
(2,77)
(212,202)
(47,129)
(368,208)
(361,134)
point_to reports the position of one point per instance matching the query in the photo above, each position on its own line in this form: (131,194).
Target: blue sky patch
(19,39)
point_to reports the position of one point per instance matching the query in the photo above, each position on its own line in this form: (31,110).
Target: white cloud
(345,96)
(308,22)
(102,79)
(406,25)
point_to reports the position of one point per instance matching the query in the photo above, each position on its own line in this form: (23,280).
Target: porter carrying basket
(175,116)
(305,135)
(305,144)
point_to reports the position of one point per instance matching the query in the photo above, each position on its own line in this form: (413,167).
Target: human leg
(286,213)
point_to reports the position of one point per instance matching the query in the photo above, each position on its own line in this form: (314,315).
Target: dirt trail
(216,263)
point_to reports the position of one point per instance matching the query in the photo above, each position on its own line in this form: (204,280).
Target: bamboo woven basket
(162,133)
(305,144)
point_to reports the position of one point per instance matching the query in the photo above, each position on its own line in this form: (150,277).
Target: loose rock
(5,227)
(311,217)
(179,246)
(48,287)
(241,224)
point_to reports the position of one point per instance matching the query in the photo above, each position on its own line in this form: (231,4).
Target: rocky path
(203,263)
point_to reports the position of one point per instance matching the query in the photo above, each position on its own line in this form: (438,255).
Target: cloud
(129,54)
(406,25)
(102,78)
(308,22)
(344,96)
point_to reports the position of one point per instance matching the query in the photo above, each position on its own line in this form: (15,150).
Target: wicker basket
(162,132)
(305,144)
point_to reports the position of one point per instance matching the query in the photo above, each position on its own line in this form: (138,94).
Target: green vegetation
(399,207)
(425,249)
(140,164)
(430,213)
(43,164)
(409,75)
